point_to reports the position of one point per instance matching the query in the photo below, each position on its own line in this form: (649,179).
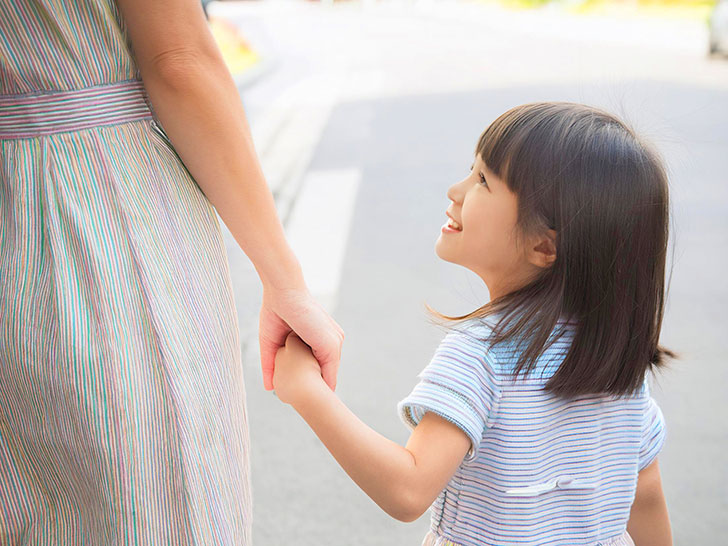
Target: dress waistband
(39,114)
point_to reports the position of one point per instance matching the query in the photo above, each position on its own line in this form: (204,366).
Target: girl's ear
(543,249)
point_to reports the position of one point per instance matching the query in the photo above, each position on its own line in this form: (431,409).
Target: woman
(122,413)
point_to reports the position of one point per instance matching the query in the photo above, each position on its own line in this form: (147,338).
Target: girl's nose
(450,195)
(454,193)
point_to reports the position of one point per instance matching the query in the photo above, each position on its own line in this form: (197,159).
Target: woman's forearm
(383,469)
(199,107)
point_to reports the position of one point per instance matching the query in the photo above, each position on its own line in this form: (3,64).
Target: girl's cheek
(475,221)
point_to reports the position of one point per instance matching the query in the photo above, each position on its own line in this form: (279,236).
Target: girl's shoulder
(479,333)
(473,337)
(469,353)
(477,328)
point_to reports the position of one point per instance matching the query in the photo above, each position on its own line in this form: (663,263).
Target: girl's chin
(442,251)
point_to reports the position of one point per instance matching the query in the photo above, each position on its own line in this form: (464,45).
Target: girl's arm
(649,522)
(403,481)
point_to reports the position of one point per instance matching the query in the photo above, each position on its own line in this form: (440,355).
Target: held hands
(294,309)
(297,372)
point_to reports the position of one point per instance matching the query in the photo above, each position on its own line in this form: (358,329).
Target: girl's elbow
(406,514)
(409,517)
(408,507)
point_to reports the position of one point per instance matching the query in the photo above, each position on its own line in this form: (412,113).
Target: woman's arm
(199,106)
(196,100)
(403,481)
(649,522)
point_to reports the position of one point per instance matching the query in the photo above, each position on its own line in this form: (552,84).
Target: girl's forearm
(649,524)
(649,520)
(383,469)
(200,109)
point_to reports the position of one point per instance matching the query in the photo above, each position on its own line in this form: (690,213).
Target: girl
(533,423)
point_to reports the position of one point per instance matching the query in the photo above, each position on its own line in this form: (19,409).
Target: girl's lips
(452,223)
(448,229)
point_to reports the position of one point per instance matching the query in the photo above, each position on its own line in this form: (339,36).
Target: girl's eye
(482,179)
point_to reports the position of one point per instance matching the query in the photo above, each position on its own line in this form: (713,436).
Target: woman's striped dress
(122,406)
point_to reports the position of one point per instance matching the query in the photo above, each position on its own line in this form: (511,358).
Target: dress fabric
(122,403)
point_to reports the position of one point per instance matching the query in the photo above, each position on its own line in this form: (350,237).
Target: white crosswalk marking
(318,228)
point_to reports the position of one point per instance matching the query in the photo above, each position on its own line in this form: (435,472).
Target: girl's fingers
(311,324)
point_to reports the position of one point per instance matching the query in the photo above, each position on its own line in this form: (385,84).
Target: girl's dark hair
(583,173)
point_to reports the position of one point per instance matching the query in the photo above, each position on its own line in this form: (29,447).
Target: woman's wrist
(282,273)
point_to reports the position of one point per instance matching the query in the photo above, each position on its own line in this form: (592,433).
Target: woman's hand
(286,310)
(297,371)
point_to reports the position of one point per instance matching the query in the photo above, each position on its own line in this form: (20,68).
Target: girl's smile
(451,226)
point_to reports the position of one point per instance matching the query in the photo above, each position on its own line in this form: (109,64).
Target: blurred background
(365,112)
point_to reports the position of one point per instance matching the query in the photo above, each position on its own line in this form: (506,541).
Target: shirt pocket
(562,483)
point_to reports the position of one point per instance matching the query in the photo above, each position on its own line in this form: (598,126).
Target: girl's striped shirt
(541,470)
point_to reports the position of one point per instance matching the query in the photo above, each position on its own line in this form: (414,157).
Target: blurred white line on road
(318,228)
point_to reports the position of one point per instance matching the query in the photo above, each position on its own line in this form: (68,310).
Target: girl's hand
(297,372)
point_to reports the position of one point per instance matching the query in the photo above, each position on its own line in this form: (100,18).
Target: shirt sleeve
(460,385)
(653,433)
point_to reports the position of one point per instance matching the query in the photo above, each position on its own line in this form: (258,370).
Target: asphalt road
(417,89)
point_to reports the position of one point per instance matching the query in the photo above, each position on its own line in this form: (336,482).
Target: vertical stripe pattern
(122,403)
(62,45)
